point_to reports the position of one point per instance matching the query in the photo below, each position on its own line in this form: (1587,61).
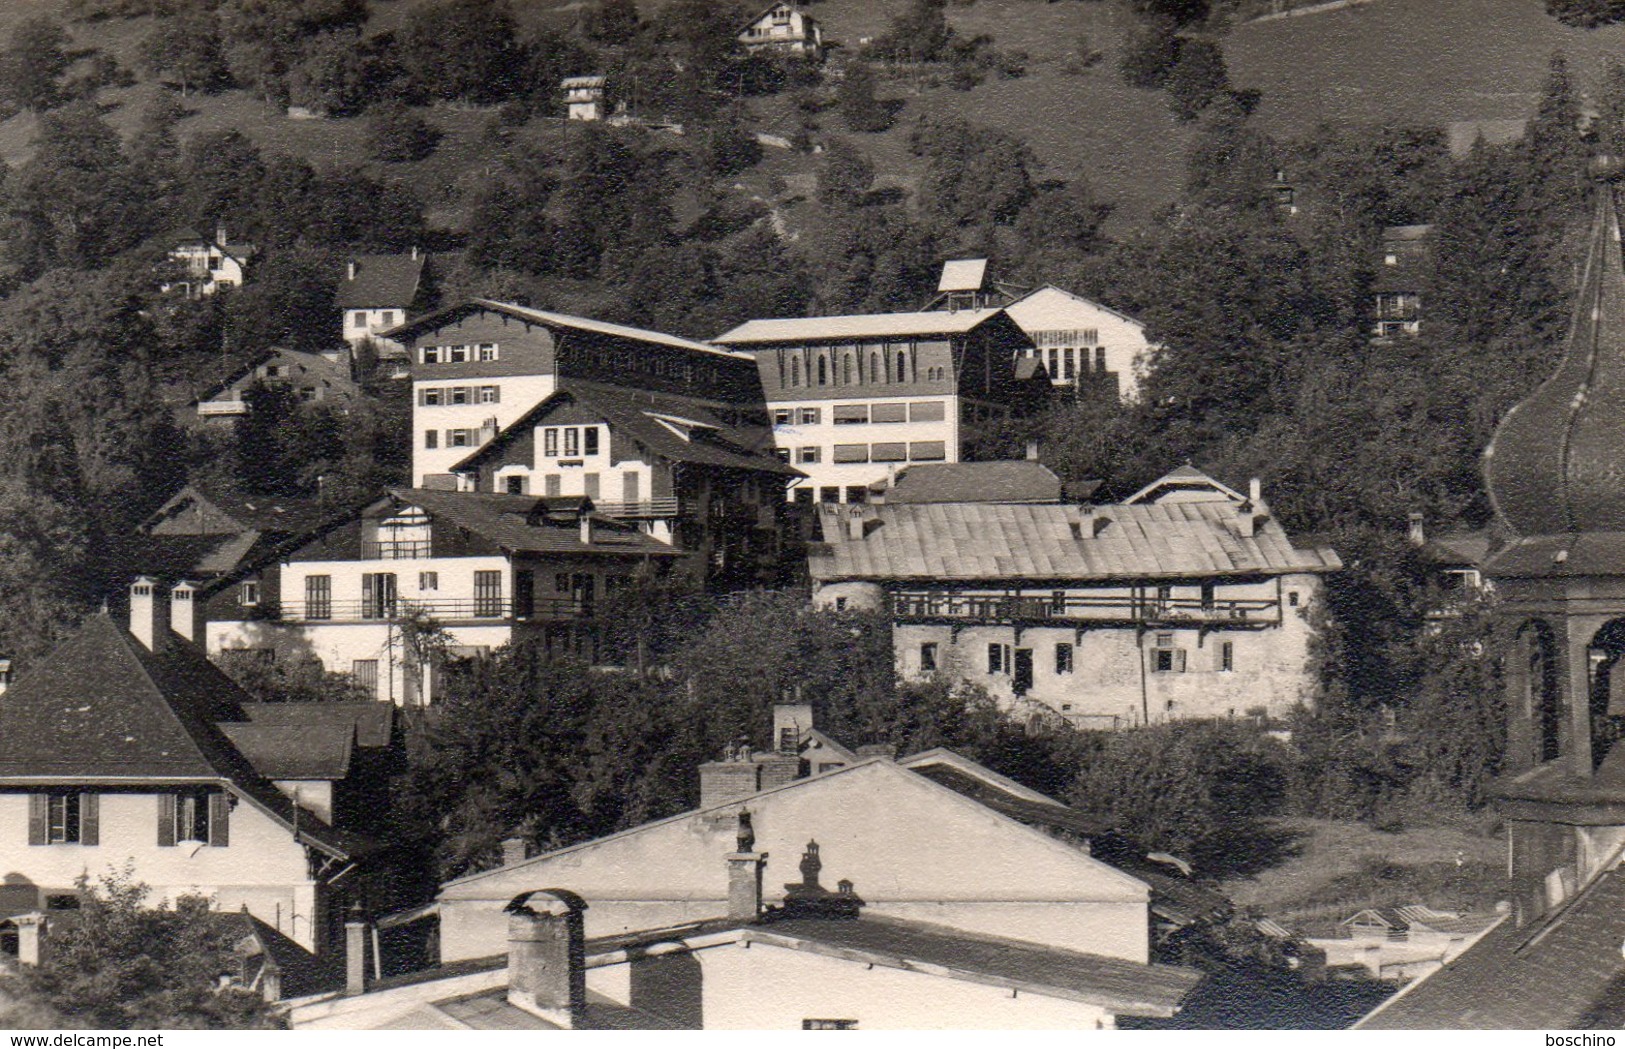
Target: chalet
(1083,345)
(784,28)
(686,470)
(1397,290)
(315,378)
(479,366)
(208,266)
(361,594)
(1186,600)
(128,747)
(378,292)
(855,398)
(583,97)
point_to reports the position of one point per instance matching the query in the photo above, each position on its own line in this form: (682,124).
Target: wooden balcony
(647,509)
(1141,608)
(478,609)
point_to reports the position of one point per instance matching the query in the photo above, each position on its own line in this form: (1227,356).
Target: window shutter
(90,819)
(36,819)
(166,819)
(219,819)
(1179,661)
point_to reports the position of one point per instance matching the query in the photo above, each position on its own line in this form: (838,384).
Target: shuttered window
(927,451)
(889,453)
(888,413)
(847,414)
(926,412)
(851,453)
(64,818)
(166,819)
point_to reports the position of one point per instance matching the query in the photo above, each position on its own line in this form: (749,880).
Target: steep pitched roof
(1017,481)
(430,321)
(970,541)
(381,281)
(1565,972)
(636,415)
(503,520)
(288,752)
(856,326)
(101,708)
(1025,310)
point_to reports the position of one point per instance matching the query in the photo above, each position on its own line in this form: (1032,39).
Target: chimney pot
(791,722)
(220,237)
(355,952)
(547,970)
(186,616)
(515,849)
(1417,533)
(854,523)
(349,270)
(146,620)
(414,253)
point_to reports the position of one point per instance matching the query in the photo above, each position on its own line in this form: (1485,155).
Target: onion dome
(1556,464)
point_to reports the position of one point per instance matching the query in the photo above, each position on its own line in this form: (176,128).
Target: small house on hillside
(784,27)
(315,378)
(584,97)
(208,266)
(377,293)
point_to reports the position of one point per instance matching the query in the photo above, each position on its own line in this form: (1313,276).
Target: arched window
(795,371)
(874,367)
(823,370)
(846,370)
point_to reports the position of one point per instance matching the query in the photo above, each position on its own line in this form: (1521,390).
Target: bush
(396,134)
(855,99)
(1197,78)
(1149,55)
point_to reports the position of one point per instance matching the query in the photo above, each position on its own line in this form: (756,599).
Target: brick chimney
(186,612)
(1032,451)
(220,237)
(735,776)
(355,951)
(547,970)
(745,873)
(791,723)
(148,618)
(515,849)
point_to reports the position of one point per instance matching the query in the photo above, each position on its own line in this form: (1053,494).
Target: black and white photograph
(897,515)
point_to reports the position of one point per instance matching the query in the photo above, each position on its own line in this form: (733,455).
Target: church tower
(1555,471)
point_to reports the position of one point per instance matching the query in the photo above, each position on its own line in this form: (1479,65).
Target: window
(829,494)
(250,593)
(829,1025)
(926,412)
(456,354)
(514,485)
(431,438)
(62,819)
(458,394)
(851,453)
(1100,358)
(430,354)
(809,416)
(1207,597)
(928,657)
(857,493)
(840,604)
(895,452)
(874,367)
(998,658)
(1292,598)
(359,320)
(490,394)
(783,454)
(1054,362)
(902,366)
(1227,656)
(550,441)
(377,595)
(488,351)
(1057,602)
(1165,658)
(589,441)
(781,417)
(846,370)
(823,370)
(428,580)
(364,672)
(388,318)
(927,451)
(849,414)
(488,593)
(808,455)
(459,438)
(1069,369)
(197,816)
(888,413)
(572,441)
(318,597)
(1063,658)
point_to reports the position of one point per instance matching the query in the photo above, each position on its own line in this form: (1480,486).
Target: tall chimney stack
(220,237)
(1255,491)
(147,621)
(586,529)
(186,612)
(745,874)
(1417,533)
(349,270)
(1032,451)
(547,956)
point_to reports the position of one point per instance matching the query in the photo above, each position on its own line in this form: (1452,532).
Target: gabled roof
(505,521)
(1184,478)
(225,511)
(288,752)
(334,374)
(371,724)
(769,9)
(1016,481)
(856,326)
(441,317)
(638,415)
(1024,306)
(962,275)
(978,541)
(187,238)
(381,281)
(102,709)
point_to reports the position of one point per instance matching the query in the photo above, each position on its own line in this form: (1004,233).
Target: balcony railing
(647,508)
(396,550)
(443,609)
(222,407)
(1132,608)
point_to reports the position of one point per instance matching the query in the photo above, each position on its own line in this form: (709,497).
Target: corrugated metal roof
(856,326)
(964,541)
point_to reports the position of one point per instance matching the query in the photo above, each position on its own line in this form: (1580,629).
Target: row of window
(856,414)
(1069,362)
(1067,337)
(386,319)
(72,818)
(591,485)
(483,351)
(569,441)
(855,367)
(435,396)
(880,452)
(1165,659)
(458,438)
(380,593)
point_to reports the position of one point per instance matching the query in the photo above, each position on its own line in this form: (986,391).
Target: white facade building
(784,27)
(1082,342)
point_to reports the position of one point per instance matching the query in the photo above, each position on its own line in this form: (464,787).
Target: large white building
(855,398)
(1083,344)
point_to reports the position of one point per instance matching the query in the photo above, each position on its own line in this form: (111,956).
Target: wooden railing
(493,608)
(1138,607)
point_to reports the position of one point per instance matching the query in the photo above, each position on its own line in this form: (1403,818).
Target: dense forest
(1266,368)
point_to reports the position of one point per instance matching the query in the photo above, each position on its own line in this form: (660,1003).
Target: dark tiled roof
(1124,987)
(503,521)
(631,414)
(381,281)
(1552,467)
(963,541)
(1585,554)
(1565,972)
(1019,481)
(228,510)
(301,972)
(371,723)
(313,752)
(1458,548)
(101,707)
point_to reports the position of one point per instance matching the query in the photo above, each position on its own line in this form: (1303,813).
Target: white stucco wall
(1049,313)
(518,395)
(826,434)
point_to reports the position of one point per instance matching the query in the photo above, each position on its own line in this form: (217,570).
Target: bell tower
(1555,471)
